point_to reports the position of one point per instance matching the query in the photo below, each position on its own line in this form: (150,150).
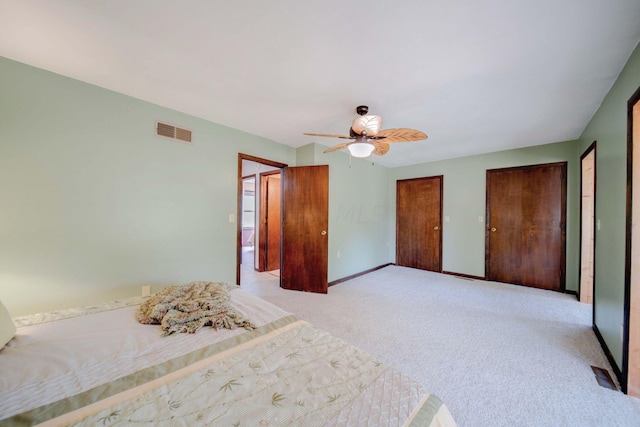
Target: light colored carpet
(497,354)
(275,273)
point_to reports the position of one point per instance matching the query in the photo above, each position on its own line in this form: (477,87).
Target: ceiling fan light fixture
(367,137)
(361,149)
(367,125)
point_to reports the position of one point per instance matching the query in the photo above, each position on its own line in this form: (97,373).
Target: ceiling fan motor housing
(362,110)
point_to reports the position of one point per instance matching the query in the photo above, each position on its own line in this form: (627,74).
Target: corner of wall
(306,155)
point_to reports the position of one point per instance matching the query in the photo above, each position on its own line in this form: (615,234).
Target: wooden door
(269,254)
(305,220)
(419,223)
(631,340)
(525,229)
(587,224)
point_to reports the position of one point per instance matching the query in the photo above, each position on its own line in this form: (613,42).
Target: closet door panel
(419,223)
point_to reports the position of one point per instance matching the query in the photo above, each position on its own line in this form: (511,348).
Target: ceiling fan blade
(337,147)
(401,135)
(329,135)
(381,148)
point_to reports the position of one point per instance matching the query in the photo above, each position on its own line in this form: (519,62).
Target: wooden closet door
(525,231)
(419,223)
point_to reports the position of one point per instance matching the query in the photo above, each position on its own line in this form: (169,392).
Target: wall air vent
(170,131)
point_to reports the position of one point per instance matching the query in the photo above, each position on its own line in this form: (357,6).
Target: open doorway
(248,220)
(631,338)
(305,220)
(253,243)
(587,223)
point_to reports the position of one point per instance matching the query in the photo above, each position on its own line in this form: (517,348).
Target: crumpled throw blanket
(187,308)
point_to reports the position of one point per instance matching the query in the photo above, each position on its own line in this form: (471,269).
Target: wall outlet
(232,218)
(339,254)
(146,290)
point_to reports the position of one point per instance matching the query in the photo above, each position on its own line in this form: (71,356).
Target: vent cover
(170,131)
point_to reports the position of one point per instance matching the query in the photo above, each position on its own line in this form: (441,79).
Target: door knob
(323,232)
(493,229)
(436,228)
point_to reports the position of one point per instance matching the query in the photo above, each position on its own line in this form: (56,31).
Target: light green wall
(306,155)
(464,201)
(93,205)
(358,211)
(609,128)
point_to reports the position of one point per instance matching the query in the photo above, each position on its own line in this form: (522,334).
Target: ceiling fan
(367,138)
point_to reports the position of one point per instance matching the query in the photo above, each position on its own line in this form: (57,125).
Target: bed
(99,366)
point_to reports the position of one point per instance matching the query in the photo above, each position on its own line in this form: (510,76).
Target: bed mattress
(98,366)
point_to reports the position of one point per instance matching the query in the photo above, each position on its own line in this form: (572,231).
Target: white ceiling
(476,76)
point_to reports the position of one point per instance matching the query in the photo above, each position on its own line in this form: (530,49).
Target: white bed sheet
(69,356)
(61,359)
